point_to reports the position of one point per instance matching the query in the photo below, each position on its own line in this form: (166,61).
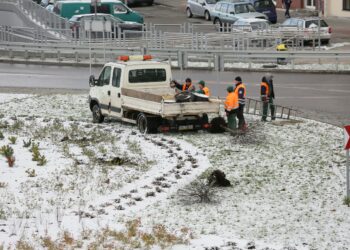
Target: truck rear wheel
(218,125)
(142,123)
(97,116)
(147,124)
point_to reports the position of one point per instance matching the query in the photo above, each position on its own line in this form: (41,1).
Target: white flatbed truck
(139,92)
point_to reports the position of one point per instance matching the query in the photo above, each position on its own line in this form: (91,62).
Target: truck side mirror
(92,81)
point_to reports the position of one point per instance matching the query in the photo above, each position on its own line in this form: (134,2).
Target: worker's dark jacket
(241,91)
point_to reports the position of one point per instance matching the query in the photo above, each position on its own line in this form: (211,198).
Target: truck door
(103,91)
(116,93)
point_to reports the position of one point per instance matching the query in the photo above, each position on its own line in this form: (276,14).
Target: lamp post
(319,23)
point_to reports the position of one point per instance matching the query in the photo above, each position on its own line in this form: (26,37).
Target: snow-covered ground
(108,186)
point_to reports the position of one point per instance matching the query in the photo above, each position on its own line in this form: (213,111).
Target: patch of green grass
(17,125)
(13,139)
(134,147)
(346,201)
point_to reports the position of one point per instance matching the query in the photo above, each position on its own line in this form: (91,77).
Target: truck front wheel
(97,116)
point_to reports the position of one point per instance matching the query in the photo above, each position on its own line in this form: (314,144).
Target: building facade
(340,8)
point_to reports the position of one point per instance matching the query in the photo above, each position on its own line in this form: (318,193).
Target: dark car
(135,2)
(116,24)
(267,7)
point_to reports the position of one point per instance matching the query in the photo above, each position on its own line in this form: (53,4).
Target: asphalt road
(324,97)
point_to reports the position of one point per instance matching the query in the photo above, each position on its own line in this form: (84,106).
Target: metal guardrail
(160,36)
(98,53)
(59,26)
(238,40)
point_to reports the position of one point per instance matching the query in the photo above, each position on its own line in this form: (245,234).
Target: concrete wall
(335,8)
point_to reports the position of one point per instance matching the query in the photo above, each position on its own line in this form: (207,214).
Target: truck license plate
(185,127)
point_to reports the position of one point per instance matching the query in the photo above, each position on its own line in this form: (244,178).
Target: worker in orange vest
(203,89)
(240,91)
(267,95)
(231,107)
(187,86)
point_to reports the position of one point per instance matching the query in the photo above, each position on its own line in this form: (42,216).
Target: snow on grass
(287,184)
(94,172)
(288,189)
(12,97)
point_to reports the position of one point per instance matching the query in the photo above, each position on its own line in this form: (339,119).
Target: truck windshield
(147,75)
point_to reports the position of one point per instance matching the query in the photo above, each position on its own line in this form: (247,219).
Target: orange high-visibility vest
(265,93)
(184,87)
(206,91)
(231,102)
(241,99)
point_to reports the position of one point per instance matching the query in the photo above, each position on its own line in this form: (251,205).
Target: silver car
(200,8)
(251,24)
(227,12)
(308,25)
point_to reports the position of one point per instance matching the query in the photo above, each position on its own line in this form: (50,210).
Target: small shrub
(17,125)
(6,151)
(24,245)
(148,239)
(3,184)
(13,139)
(48,243)
(11,161)
(34,147)
(198,191)
(346,201)
(27,144)
(150,194)
(1,136)
(67,238)
(42,160)
(3,215)
(36,155)
(31,172)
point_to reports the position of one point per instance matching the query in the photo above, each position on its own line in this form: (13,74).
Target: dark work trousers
(240,116)
(287,5)
(265,110)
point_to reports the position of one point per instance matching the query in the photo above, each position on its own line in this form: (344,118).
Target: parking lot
(173,12)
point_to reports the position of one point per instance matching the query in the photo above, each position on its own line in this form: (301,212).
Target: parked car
(50,7)
(69,8)
(251,24)
(266,7)
(227,12)
(116,23)
(200,8)
(134,2)
(309,25)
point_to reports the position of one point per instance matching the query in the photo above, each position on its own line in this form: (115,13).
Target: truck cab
(138,91)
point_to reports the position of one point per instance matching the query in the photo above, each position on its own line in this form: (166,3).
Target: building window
(346,4)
